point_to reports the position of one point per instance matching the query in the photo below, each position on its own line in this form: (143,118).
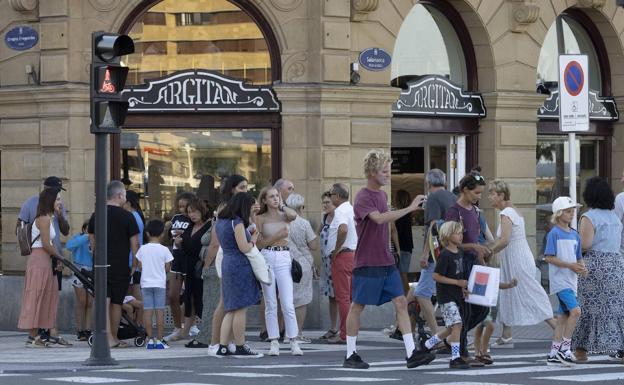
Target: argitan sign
(437,96)
(199,91)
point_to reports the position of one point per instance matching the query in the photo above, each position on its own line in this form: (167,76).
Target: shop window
(440,53)
(213,35)
(160,164)
(577,41)
(552,172)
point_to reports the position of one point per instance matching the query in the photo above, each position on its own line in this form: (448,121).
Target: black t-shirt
(180,222)
(191,244)
(404,232)
(450,265)
(121,227)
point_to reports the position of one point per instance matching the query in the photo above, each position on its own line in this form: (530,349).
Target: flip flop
(119,345)
(195,344)
(485,358)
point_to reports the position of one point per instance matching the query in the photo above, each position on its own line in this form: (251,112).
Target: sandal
(195,344)
(485,358)
(119,345)
(329,334)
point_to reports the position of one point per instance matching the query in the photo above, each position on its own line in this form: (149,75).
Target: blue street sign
(574,78)
(21,38)
(375,59)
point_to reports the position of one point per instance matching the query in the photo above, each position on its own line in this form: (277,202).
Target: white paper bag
(483,286)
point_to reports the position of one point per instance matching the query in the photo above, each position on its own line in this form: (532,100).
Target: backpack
(24,237)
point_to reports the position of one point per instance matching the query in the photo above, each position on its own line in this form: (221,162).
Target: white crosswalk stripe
(355,379)
(594,378)
(88,380)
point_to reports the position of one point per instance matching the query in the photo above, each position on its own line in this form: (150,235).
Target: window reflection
(439,53)
(216,35)
(162,164)
(577,41)
(552,173)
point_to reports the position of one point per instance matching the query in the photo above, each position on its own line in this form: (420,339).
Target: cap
(563,203)
(53,181)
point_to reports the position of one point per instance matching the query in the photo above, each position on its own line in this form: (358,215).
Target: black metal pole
(100,351)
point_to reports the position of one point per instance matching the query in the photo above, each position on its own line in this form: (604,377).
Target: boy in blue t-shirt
(563,253)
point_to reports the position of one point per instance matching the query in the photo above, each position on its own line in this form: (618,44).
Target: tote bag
(483,286)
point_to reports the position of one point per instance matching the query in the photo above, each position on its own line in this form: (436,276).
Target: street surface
(321,364)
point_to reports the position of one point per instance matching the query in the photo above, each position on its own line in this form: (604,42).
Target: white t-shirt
(619,211)
(153,257)
(344,215)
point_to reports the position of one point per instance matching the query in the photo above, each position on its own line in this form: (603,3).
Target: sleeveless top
(269,229)
(35,232)
(607,230)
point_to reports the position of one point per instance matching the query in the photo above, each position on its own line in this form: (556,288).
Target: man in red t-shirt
(376,280)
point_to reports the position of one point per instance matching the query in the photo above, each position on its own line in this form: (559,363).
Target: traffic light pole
(100,351)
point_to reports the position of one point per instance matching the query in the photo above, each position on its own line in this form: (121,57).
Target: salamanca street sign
(199,91)
(433,95)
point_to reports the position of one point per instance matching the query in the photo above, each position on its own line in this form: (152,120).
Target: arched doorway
(594,147)
(201,102)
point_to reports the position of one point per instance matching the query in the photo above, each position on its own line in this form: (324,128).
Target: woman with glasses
(465,211)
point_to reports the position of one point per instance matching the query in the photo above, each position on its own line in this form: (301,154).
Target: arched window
(577,41)
(215,35)
(440,53)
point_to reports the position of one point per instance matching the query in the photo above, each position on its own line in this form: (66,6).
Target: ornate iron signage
(433,95)
(600,107)
(199,91)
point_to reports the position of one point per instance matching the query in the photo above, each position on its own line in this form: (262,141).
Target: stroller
(128,328)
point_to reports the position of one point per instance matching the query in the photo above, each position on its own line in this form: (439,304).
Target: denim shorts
(376,285)
(567,301)
(426,287)
(153,297)
(405,258)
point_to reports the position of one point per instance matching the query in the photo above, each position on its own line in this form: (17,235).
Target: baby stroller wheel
(90,340)
(139,341)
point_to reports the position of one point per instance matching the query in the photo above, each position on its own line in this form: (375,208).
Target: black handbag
(296,271)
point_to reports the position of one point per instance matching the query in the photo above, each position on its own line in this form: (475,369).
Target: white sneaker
(174,336)
(295,350)
(193,331)
(232,347)
(274,350)
(212,350)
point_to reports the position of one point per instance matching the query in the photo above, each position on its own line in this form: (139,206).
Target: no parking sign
(574,95)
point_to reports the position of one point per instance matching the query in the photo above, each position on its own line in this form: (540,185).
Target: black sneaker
(222,351)
(244,351)
(552,360)
(396,335)
(619,356)
(459,363)
(418,358)
(355,362)
(566,358)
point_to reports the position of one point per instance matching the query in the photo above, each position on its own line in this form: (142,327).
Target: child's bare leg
(160,323)
(487,334)
(147,321)
(479,350)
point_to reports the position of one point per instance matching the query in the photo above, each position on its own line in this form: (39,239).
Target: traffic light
(108,77)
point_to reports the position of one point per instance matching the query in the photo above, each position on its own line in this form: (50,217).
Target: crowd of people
(202,263)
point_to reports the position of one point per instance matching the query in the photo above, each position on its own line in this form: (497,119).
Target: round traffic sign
(573,78)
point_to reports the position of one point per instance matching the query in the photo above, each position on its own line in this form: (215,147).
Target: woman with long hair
(132,205)
(272,223)
(40,295)
(239,286)
(190,242)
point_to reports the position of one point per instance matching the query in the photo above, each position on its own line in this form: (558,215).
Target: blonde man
(376,280)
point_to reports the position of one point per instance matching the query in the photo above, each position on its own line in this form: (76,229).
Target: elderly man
(285,188)
(27,214)
(376,280)
(342,233)
(122,237)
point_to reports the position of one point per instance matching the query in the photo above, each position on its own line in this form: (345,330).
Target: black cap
(55,182)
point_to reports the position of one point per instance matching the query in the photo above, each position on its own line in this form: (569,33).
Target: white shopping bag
(483,285)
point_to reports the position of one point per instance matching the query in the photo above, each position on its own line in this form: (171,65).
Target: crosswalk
(532,365)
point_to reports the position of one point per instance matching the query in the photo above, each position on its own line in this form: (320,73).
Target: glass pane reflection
(162,164)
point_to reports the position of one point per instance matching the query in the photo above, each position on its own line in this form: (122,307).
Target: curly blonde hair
(374,161)
(447,229)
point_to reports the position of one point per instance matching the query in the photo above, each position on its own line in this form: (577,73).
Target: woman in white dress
(527,303)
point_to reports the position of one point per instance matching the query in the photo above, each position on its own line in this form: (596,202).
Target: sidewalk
(16,358)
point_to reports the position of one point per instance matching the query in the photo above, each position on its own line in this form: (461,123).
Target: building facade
(270,88)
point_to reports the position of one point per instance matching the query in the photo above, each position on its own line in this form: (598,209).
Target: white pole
(572,172)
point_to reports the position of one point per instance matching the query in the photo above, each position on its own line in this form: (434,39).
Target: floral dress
(327,285)
(299,234)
